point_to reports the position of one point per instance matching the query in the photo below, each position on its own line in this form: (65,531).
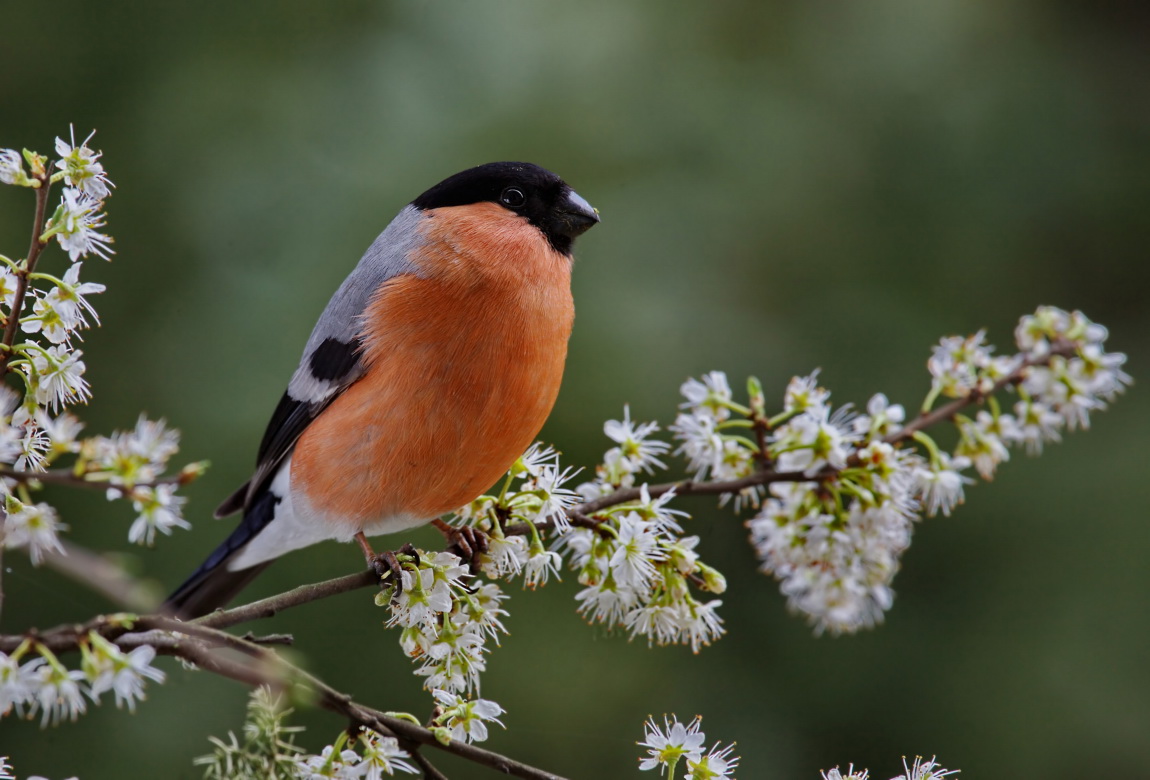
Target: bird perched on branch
(430,371)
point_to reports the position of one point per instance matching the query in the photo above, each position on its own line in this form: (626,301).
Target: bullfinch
(430,371)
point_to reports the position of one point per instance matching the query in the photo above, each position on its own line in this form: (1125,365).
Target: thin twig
(14,316)
(268,607)
(260,666)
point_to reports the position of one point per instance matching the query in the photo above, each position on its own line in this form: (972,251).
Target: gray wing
(331,360)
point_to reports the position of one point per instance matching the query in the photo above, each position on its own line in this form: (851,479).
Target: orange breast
(464,361)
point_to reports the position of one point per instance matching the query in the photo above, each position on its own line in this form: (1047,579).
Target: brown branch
(17,307)
(34,250)
(268,607)
(260,666)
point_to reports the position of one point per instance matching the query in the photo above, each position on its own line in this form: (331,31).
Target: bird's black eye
(512,197)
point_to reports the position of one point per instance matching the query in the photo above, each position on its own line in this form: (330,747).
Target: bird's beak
(576,215)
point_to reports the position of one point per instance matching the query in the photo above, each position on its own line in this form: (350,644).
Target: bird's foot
(465,541)
(386,564)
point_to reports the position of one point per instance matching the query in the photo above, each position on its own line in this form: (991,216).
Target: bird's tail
(209,589)
(213,585)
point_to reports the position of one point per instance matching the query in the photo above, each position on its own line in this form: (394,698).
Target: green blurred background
(784,185)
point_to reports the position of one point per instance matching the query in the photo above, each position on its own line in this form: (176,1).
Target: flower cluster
(369,756)
(33,680)
(675,742)
(845,488)
(637,568)
(919,770)
(635,453)
(51,311)
(447,619)
(533,494)
(834,544)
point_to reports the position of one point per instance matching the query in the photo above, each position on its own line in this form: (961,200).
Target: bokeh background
(784,185)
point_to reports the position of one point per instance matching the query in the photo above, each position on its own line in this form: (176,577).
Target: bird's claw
(389,569)
(464,541)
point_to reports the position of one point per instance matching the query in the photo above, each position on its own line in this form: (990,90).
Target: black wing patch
(334,359)
(334,363)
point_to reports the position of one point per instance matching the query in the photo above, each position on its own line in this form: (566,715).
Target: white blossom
(466,720)
(82,168)
(159,509)
(12,167)
(940,484)
(76,223)
(670,743)
(35,527)
(57,378)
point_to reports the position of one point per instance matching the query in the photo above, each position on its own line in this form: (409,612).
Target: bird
(429,372)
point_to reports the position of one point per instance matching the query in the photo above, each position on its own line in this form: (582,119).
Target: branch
(22,275)
(581,515)
(268,607)
(255,665)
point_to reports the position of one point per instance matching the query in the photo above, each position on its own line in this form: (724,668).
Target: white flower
(18,684)
(636,552)
(804,395)
(708,397)
(62,431)
(35,526)
(8,281)
(540,565)
(422,600)
(62,311)
(505,556)
(881,418)
(808,443)
(835,774)
(382,755)
(12,167)
(537,456)
(466,720)
(75,226)
(658,622)
(606,601)
(941,484)
(699,623)
(716,764)
(639,453)
(553,499)
(1037,424)
(702,443)
(956,362)
(924,770)
(58,377)
(666,745)
(159,509)
(33,443)
(329,764)
(82,168)
(124,675)
(984,441)
(45,317)
(154,440)
(58,694)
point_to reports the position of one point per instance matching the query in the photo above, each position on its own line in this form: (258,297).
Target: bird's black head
(528,190)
